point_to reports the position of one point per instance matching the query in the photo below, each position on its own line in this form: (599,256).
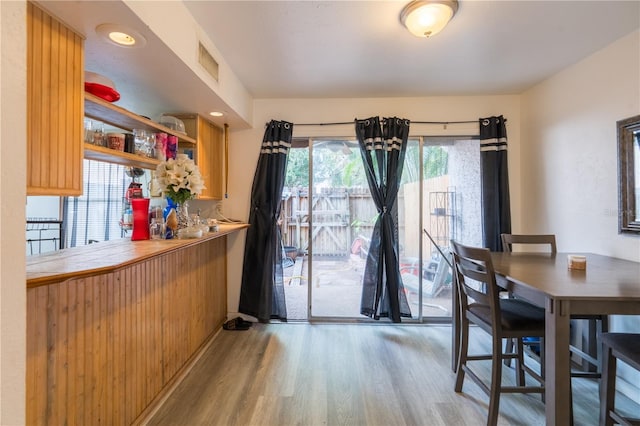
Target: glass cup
(88,131)
(155,229)
(99,137)
(139,140)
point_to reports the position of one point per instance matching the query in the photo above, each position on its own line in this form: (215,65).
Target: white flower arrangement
(179,179)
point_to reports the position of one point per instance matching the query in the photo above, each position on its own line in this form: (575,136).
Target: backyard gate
(337,219)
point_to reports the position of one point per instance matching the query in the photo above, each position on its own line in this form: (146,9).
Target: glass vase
(182,213)
(181,218)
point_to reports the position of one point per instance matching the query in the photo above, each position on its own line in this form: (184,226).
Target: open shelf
(101,153)
(99,109)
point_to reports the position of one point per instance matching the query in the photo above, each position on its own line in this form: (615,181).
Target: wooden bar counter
(110,326)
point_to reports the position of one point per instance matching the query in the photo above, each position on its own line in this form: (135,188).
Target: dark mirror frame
(627,214)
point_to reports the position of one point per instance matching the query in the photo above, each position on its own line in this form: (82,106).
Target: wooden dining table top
(606,286)
(604,277)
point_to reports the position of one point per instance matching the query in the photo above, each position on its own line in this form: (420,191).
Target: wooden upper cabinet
(208,153)
(55,106)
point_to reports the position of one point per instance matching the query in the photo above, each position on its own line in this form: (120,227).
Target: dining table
(606,286)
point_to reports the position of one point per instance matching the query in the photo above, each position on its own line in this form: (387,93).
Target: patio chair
(431,288)
(501,318)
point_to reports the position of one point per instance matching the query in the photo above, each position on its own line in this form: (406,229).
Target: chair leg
(570,401)
(607,386)
(462,355)
(542,367)
(508,348)
(602,326)
(519,362)
(496,382)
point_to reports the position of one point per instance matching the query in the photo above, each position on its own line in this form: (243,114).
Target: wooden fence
(343,217)
(340,215)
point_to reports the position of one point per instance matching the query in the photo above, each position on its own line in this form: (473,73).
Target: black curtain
(496,217)
(383,149)
(262,291)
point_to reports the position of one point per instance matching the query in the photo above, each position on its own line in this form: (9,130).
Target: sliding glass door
(328,215)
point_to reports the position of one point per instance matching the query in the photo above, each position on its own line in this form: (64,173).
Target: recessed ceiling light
(122,38)
(216,114)
(120,35)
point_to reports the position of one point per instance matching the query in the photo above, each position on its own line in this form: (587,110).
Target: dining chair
(508,240)
(501,318)
(626,348)
(543,241)
(599,323)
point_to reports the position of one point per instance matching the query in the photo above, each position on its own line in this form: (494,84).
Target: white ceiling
(309,49)
(360,48)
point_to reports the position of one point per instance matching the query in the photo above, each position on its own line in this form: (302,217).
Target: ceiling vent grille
(207,61)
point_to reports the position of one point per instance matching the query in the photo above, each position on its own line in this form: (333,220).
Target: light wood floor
(345,374)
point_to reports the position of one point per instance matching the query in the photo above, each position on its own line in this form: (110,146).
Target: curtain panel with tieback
(383,149)
(496,209)
(262,291)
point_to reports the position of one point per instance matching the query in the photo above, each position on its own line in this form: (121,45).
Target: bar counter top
(107,256)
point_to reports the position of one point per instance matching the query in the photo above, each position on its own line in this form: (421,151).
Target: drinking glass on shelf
(88,130)
(160,146)
(150,145)
(99,137)
(139,139)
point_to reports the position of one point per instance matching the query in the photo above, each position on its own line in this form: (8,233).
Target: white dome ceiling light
(426,18)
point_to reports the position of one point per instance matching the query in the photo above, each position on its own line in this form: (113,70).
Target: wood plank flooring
(345,374)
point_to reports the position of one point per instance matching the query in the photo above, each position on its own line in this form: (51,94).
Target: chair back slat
(508,240)
(473,266)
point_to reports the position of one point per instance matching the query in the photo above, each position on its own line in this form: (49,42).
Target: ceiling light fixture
(216,114)
(425,18)
(121,36)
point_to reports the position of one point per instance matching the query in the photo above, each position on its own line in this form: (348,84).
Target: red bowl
(102,91)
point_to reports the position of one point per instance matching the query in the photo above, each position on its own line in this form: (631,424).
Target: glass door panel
(343,215)
(294,226)
(451,209)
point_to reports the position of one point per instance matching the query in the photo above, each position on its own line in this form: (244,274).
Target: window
(97,214)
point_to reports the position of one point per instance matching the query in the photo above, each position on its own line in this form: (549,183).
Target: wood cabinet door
(55,106)
(210,159)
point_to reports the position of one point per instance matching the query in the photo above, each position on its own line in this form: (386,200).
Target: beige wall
(569,178)
(13,185)
(245,145)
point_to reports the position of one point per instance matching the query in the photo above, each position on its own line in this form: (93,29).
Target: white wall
(13,128)
(182,37)
(569,181)
(245,144)
(569,178)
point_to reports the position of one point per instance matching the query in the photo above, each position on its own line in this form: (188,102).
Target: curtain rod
(339,123)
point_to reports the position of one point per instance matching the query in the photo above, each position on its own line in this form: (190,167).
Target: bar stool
(616,346)
(501,318)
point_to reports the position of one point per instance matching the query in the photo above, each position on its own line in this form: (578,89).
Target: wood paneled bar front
(111,326)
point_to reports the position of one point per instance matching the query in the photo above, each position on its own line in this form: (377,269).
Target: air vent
(207,61)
